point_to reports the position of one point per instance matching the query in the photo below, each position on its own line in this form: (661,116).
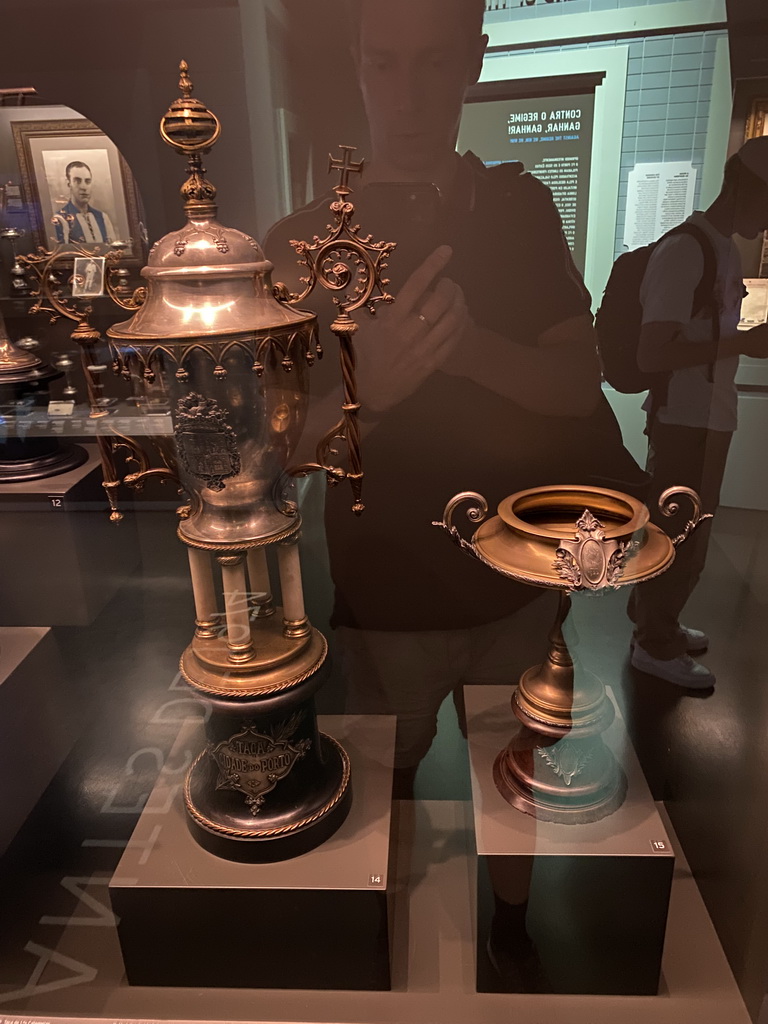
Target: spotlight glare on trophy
(573,539)
(233,356)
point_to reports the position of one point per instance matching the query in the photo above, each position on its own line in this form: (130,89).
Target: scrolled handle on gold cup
(669,508)
(475,514)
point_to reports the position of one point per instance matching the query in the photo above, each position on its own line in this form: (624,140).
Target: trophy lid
(204,279)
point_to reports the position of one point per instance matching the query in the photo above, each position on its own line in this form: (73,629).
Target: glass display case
(372,648)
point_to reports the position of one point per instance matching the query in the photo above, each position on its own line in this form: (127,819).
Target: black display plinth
(38,458)
(598,894)
(34,703)
(319,921)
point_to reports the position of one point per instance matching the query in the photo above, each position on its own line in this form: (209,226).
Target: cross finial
(345,164)
(185,82)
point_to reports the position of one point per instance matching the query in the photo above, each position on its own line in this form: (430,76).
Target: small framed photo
(77,187)
(88,277)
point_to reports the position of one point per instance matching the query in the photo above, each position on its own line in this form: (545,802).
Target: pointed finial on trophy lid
(185,82)
(190,128)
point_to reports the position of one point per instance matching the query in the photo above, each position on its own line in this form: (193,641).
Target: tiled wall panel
(669,91)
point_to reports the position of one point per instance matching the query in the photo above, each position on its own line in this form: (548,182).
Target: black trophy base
(268,785)
(233,835)
(31,466)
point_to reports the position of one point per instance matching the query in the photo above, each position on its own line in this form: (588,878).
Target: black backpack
(619,319)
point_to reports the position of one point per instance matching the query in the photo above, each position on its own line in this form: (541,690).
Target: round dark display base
(28,467)
(572,783)
(290,821)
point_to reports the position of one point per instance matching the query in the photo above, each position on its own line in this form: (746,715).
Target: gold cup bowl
(573,539)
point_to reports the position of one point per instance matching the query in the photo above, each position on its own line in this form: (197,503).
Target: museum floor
(704,757)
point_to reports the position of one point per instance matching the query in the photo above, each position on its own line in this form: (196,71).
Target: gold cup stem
(558,648)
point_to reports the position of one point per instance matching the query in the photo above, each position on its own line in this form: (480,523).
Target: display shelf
(123,418)
(433,962)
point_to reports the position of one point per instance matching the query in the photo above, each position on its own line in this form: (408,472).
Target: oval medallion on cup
(593,561)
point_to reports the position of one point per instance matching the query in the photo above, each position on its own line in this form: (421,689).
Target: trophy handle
(351,267)
(476,513)
(669,507)
(348,429)
(109,445)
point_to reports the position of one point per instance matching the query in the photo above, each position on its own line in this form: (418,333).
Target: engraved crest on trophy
(589,560)
(207,445)
(253,762)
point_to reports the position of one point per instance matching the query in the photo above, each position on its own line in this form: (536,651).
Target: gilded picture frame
(55,159)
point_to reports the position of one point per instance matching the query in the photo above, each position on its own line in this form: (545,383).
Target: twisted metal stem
(345,328)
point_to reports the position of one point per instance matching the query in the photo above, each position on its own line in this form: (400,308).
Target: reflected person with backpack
(668,324)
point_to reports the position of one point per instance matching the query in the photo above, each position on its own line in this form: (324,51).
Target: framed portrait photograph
(77,187)
(88,276)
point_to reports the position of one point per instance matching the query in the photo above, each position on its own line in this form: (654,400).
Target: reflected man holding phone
(482,374)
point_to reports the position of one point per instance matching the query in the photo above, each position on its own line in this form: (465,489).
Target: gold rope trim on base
(262,691)
(269,833)
(244,545)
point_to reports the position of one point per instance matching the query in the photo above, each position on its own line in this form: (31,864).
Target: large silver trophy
(234,357)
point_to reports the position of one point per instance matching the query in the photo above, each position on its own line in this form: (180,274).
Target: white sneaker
(682,671)
(696,641)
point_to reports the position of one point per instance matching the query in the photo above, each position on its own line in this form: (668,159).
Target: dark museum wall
(117,64)
(748,32)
